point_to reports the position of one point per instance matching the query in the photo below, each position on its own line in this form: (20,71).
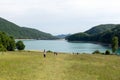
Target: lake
(64,46)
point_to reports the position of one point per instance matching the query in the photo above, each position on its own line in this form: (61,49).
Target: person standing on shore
(44,53)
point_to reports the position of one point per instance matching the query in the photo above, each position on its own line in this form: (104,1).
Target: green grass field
(32,66)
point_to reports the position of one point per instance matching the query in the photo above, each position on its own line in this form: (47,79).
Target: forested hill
(22,32)
(100,29)
(101,33)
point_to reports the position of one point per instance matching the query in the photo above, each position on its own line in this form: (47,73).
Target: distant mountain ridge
(62,36)
(22,32)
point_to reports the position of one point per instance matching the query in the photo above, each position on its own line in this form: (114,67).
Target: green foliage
(116,32)
(20,45)
(96,52)
(114,44)
(7,42)
(107,52)
(12,45)
(100,29)
(78,37)
(2,48)
(22,32)
(49,51)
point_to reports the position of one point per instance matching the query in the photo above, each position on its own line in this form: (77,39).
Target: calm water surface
(63,46)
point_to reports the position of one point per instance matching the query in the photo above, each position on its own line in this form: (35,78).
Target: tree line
(7,43)
(114,46)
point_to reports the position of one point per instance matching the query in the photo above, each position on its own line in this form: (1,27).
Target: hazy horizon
(61,16)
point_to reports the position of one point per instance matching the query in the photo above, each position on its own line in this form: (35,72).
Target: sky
(61,16)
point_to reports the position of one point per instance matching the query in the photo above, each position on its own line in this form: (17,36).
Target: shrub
(49,51)
(7,42)
(96,52)
(2,48)
(115,43)
(107,52)
(20,45)
(11,46)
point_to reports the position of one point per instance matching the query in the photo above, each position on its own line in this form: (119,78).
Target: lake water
(64,46)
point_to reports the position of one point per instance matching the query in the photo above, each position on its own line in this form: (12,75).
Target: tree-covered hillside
(100,29)
(78,37)
(22,32)
(101,33)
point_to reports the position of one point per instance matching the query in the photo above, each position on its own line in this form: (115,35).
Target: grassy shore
(32,66)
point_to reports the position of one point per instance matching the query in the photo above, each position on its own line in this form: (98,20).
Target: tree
(115,43)
(96,52)
(20,45)
(4,39)
(7,42)
(2,48)
(107,52)
(11,46)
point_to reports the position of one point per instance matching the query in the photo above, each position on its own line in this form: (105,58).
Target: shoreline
(94,42)
(25,39)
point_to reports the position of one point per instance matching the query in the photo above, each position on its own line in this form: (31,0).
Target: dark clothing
(44,55)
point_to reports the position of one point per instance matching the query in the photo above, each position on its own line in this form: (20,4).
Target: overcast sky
(61,16)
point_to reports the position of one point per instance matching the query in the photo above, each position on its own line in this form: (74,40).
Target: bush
(7,42)
(96,52)
(107,52)
(20,45)
(49,51)
(2,48)
(11,46)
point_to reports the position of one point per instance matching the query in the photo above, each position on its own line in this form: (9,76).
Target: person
(55,53)
(44,53)
(77,53)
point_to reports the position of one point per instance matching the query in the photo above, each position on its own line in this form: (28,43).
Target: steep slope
(36,34)
(22,32)
(107,36)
